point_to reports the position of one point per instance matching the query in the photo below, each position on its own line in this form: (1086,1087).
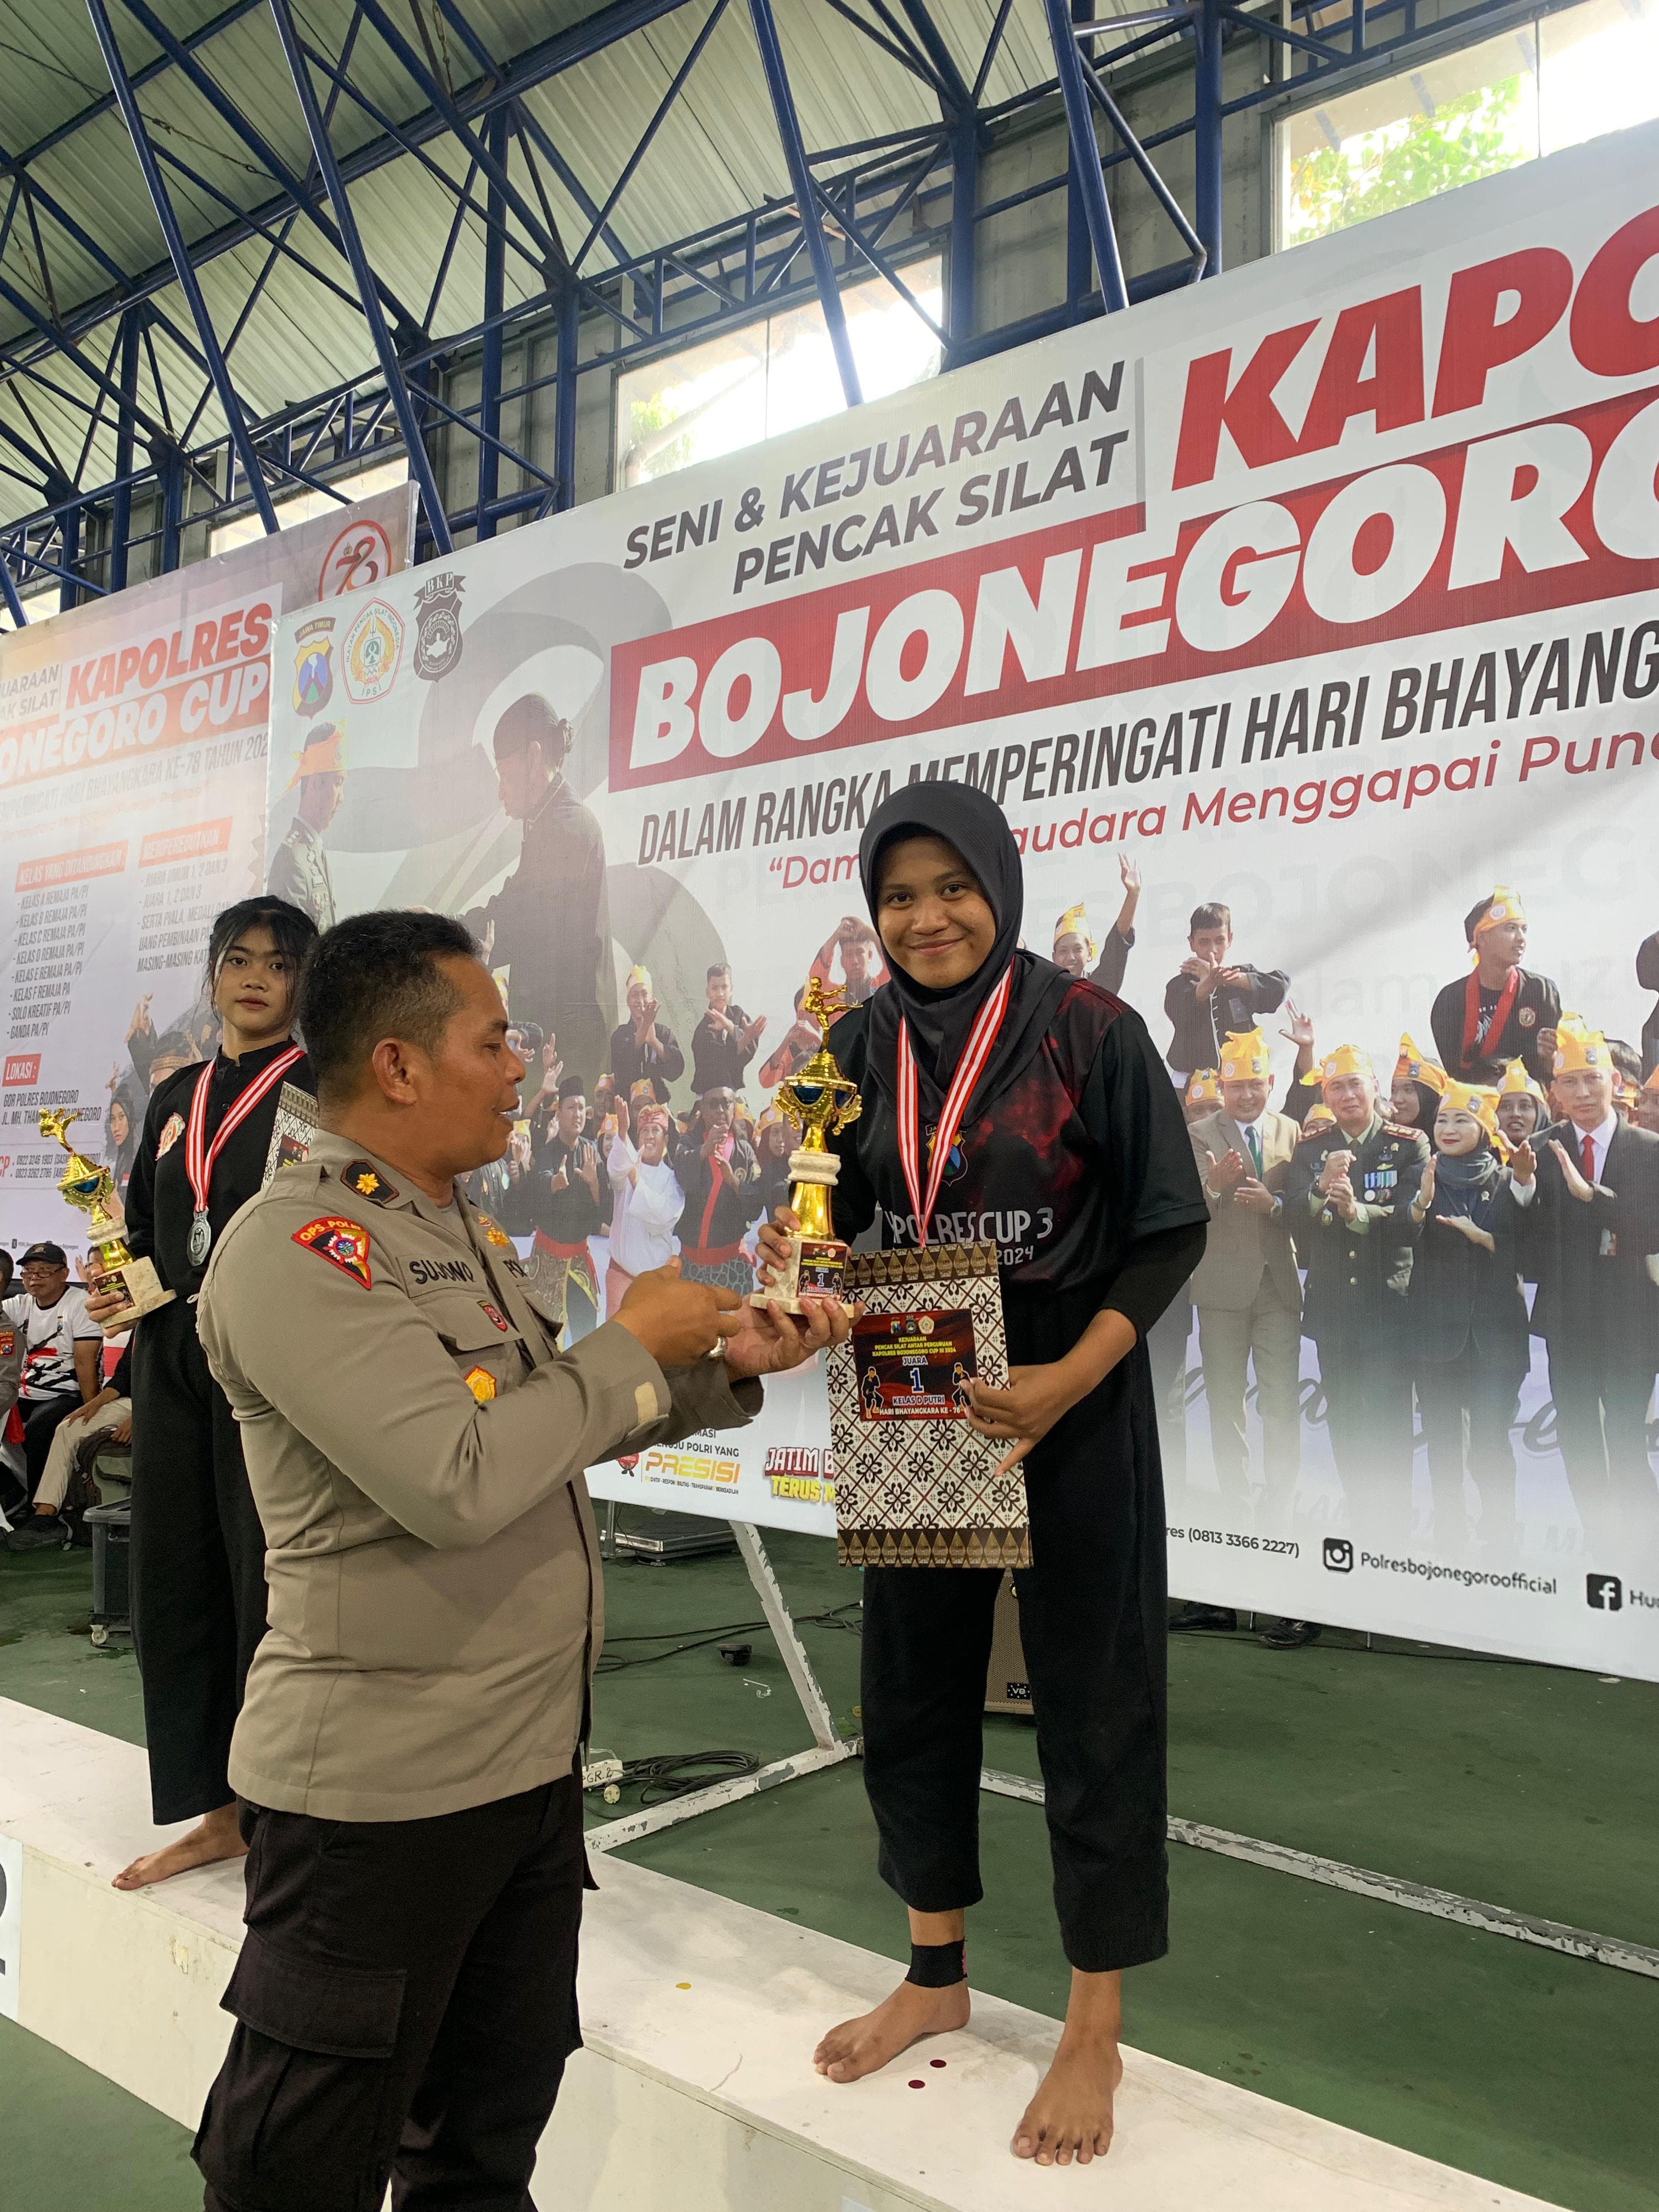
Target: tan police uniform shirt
(416,1444)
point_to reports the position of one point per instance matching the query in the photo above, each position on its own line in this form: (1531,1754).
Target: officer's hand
(1523,1164)
(773,1244)
(770,1341)
(1425,1198)
(1334,1170)
(677,1321)
(1226,1172)
(1341,1196)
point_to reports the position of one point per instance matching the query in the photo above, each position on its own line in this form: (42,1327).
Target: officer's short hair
(376,975)
(1212,916)
(1626,1060)
(532,720)
(292,931)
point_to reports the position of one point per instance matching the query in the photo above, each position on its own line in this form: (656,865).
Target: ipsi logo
(1605,1592)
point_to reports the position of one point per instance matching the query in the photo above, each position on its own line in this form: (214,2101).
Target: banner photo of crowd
(133,733)
(1313,656)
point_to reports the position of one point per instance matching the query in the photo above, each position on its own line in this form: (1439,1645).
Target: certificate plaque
(915,1486)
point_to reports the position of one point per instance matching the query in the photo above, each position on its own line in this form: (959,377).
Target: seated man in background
(109,1415)
(62,1348)
(407,1759)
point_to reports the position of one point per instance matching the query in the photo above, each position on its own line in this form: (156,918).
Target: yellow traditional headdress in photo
(324,754)
(1346,1059)
(1203,1088)
(1074,922)
(1414,1065)
(1504,905)
(637,975)
(1244,1054)
(1318,1117)
(1652,1083)
(1480,1100)
(1577,1047)
(1516,1078)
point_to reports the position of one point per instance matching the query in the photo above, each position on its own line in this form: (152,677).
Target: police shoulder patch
(481,1383)
(343,1243)
(367,1181)
(494,1316)
(171,1129)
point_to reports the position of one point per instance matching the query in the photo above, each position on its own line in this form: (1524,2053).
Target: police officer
(299,873)
(408,1754)
(1348,1193)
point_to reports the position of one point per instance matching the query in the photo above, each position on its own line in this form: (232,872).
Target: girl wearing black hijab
(198,1552)
(1072,1154)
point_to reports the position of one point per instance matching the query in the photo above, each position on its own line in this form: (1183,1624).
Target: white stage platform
(696,2089)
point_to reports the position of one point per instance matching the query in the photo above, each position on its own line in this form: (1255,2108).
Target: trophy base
(816,1268)
(143,1285)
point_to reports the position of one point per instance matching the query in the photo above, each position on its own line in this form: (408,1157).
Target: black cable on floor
(610,1663)
(676,1774)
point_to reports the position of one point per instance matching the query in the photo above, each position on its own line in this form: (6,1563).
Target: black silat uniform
(1078,1165)
(1535,1007)
(198,1552)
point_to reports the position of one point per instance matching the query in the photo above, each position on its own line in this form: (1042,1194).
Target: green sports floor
(1525,1786)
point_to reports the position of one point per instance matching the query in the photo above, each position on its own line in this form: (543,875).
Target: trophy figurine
(89,1188)
(820,1101)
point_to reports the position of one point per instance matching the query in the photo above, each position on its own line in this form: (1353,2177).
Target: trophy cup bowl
(89,1188)
(821,1102)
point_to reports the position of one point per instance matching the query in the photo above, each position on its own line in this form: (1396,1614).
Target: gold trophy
(820,1101)
(89,1188)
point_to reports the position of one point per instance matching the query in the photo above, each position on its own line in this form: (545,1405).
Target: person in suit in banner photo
(550,923)
(299,872)
(1348,1194)
(1246,1291)
(1584,1196)
(1499,1011)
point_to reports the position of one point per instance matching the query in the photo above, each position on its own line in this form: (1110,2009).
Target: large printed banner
(132,807)
(1324,593)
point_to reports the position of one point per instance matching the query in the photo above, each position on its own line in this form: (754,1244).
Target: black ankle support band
(937,1966)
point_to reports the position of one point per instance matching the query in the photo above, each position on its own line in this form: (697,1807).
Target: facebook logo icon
(1605,1592)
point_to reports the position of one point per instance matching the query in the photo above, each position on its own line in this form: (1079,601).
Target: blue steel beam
(19,619)
(800,179)
(490,367)
(1207,133)
(179,254)
(643,144)
(1089,177)
(419,461)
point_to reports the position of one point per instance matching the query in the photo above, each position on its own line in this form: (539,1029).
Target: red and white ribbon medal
(980,1038)
(199,1156)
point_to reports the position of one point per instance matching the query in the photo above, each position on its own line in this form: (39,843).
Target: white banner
(1324,591)
(132,808)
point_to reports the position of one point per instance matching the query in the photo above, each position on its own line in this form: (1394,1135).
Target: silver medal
(201,1236)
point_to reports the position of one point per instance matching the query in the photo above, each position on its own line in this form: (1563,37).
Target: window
(247,527)
(1550,83)
(771,376)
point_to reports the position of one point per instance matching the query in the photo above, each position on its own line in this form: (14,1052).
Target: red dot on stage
(918,2084)
(936,2062)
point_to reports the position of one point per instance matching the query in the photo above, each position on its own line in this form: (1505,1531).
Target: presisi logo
(719,1468)
(1338,1555)
(1606,1592)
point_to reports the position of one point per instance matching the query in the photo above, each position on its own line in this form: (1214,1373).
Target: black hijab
(940,1019)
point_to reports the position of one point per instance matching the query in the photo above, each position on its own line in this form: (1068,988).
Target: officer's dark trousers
(406,2002)
(1368,1408)
(1091,1619)
(197,1565)
(1447,1390)
(1601,1425)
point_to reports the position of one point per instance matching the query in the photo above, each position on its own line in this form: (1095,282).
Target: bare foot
(1071,2115)
(861,2046)
(217,1836)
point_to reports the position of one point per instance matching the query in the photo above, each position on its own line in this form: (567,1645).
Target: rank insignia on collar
(494,1232)
(369,1182)
(481,1383)
(343,1243)
(171,1129)
(495,1317)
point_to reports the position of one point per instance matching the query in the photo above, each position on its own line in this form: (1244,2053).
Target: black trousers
(1601,1425)
(1447,1389)
(1368,1408)
(42,1419)
(406,2002)
(1091,1619)
(197,1565)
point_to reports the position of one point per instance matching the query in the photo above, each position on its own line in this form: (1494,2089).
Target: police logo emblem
(438,626)
(343,1243)
(494,1316)
(171,1129)
(372,652)
(369,1182)
(313,666)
